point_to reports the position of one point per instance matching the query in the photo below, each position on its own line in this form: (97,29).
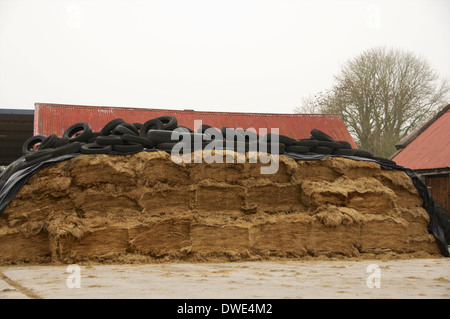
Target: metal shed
(16,126)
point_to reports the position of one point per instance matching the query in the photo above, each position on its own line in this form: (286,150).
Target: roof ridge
(420,129)
(37,104)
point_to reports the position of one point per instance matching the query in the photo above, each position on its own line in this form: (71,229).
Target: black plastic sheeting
(17,180)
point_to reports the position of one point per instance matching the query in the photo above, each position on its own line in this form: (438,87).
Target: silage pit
(144,207)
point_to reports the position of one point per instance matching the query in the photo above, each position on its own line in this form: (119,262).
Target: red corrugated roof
(56,118)
(431,148)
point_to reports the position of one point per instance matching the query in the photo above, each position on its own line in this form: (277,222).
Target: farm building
(56,118)
(16,126)
(427,151)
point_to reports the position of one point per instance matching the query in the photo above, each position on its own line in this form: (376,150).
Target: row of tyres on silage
(120,137)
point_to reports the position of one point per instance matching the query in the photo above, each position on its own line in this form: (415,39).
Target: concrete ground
(404,279)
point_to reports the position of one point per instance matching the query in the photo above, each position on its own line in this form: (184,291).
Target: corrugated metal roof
(56,118)
(431,148)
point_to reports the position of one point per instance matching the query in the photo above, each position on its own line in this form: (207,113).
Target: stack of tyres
(121,137)
(116,137)
(321,143)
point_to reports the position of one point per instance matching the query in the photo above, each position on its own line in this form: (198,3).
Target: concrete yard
(310,279)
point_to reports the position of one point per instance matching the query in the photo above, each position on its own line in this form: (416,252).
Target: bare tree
(381,96)
(309,105)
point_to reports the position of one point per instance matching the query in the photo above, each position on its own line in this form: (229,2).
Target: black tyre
(36,161)
(281,148)
(137,126)
(240,147)
(195,147)
(203,128)
(184,147)
(332,145)
(207,129)
(79,132)
(165,146)
(160,136)
(286,140)
(38,154)
(94,135)
(28,146)
(297,149)
(362,153)
(153,124)
(321,136)
(48,142)
(267,147)
(69,148)
(61,141)
(322,150)
(384,160)
(128,148)
(131,127)
(249,135)
(169,122)
(109,140)
(107,129)
(94,148)
(185,137)
(184,128)
(122,129)
(344,144)
(228,133)
(213,144)
(231,134)
(306,142)
(193,137)
(344,151)
(137,139)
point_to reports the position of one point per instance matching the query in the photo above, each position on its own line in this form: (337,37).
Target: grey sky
(206,55)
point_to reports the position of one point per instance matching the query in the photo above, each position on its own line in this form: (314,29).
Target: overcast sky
(206,55)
